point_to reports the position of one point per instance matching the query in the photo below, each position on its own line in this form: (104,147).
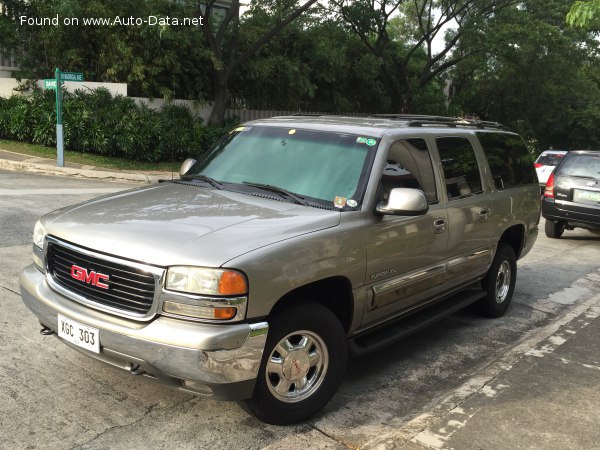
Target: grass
(107,162)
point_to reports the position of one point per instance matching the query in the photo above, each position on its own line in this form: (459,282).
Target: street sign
(71,76)
(50,84)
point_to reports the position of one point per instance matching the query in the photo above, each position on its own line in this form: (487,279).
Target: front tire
(303,364)
(554,229)
(499,283)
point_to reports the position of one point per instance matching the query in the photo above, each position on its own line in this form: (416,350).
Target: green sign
(50,84)
(71,76)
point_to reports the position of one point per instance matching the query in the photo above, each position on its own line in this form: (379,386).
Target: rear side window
(509,160)
(550,159)
(461,172)
(585,165)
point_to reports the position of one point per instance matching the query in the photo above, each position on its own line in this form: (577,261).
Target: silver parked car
(294,242)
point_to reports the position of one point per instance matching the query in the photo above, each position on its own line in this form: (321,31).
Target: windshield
(582,166)
(328,167)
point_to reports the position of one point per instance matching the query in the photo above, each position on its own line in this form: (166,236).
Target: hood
(174,224)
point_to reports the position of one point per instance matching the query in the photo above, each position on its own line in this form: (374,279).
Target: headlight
(204,281)
(39,233)
(230,287)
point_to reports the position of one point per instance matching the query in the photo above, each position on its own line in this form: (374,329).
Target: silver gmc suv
(293,243)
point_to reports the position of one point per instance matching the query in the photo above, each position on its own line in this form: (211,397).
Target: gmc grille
(130,289)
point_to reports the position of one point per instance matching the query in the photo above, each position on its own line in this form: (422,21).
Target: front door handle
(484,214)
(439,226)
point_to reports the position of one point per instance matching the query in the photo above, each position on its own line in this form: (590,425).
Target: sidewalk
(27,163)
(547,399)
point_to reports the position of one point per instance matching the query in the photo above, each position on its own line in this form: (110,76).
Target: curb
(24,166)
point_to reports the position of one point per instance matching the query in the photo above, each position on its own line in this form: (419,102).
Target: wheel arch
(514,236)
(335,293)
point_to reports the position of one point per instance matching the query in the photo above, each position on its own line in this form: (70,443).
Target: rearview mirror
(186,165)
(404,202)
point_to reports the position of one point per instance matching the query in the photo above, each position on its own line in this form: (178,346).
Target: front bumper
(220,361)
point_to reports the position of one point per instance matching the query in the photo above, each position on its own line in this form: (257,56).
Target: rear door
(469,207)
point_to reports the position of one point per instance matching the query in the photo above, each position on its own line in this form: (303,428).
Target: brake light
(549,191)
(537,165)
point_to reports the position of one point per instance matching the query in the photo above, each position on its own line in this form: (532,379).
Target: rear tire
(303,364)
(499,283)
(554,229)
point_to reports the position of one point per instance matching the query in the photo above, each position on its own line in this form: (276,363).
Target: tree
(584,14)
(533,73)
(222,39)
(155,61)
(314,64)
(405,45)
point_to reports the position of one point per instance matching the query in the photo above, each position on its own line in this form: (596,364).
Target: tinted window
(317,164)
(408,165)
(509,160)
(461,171)
(582,166)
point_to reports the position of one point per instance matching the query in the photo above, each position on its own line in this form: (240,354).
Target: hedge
(96,122)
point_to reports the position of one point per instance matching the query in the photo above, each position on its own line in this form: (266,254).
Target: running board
(396,331)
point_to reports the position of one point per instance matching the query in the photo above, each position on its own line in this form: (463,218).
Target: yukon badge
(591,183)
(93,278)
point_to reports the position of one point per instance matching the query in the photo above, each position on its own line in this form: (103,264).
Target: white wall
(8,85)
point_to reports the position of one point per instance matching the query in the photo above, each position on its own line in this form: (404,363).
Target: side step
(396,331)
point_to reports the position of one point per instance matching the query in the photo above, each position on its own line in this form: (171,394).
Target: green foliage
(533,73)
(96,122)
(584,14)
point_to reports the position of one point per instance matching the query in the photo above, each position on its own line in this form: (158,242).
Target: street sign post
(56,84)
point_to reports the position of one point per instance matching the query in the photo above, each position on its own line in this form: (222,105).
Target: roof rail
(416,120)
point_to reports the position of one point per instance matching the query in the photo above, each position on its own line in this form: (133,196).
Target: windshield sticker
(339,202)
(292,131)
(352,203)
(371,142)
(361,140)
(242,129)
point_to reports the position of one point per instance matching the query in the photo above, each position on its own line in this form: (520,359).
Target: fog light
(199,312)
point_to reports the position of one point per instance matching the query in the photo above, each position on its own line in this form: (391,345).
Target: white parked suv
(545,164)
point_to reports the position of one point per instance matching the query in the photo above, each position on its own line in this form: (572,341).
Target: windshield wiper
(208,180)
(281,191)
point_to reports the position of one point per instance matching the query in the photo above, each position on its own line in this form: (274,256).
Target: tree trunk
(217,115)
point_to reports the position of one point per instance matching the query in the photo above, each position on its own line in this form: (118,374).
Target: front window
(328,168)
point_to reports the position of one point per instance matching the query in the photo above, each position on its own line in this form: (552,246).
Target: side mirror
(186,165)
(404,202)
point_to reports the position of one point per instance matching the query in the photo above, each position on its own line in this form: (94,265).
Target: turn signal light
(232,283)
(199,311)
(549,190)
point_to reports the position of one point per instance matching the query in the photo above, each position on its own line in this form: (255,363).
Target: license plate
(79,334)
(583,196)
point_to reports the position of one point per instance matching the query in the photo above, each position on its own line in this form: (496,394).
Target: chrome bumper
(220,361)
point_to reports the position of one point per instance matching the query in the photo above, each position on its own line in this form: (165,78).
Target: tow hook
(45,331)
(135,370)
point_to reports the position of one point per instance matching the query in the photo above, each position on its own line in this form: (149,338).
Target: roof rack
(416,120)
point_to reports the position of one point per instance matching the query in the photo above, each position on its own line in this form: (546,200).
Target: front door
(406,255)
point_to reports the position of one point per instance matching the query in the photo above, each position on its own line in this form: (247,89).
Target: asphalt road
(51,396)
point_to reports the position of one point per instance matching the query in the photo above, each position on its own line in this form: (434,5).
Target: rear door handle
(439,226)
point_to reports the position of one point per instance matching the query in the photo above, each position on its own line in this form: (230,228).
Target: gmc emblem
(93,278)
